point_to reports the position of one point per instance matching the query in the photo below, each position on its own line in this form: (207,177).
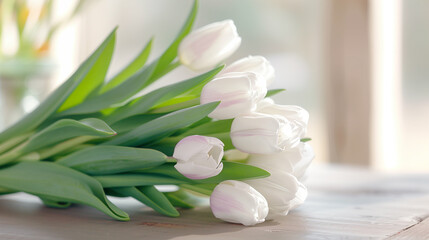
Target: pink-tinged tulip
(238,93)
(256,64)
(206,47)
(260,133)
(199,157)
(237,202)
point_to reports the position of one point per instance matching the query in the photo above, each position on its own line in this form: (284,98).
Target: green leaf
(149,196)
(273,92)
(305,139)
(116,95)
(66,129)
(100,160)
(94,78)
(52,181)
(133,122)
(231,171)
(135,65)
(181,103)
(56,99)
(136,179)
(214,127)
(163,126)
(144,103)
(55,203)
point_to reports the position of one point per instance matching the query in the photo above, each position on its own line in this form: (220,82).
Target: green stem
(12,155)
(6,146)
(64,146)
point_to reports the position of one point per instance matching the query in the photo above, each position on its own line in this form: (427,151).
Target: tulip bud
(199,157)
(237,202)
(206,47)
(263,134)
(238,93)
(256,64)
(295,114)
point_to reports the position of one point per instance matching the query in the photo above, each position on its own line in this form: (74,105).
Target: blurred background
(358,66)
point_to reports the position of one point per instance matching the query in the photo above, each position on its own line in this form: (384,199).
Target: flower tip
(237,202)
(199,157)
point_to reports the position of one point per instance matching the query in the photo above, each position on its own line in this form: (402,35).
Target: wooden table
(344,203)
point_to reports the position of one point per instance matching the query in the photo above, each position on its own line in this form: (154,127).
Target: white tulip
(256,64)
(295,114)
(238,93)
(294,161)
(199,157)
(260,133)
(283,190)
(206,47)
(237,202)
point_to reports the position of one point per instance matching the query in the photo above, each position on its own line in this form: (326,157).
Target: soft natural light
(386,75)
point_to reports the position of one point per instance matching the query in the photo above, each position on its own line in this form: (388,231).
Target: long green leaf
(163,126)
(149,196)
(133,122)
(57,98)
(52,181)
(135,65)
(214,127)
(144,103)
(100,160)
(137,179)
(116,95)
(174,104)
(66,129)
(93,79)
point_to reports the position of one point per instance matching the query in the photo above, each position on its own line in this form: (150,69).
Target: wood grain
(344,203)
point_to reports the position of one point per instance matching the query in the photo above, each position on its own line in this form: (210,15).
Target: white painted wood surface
(344,203)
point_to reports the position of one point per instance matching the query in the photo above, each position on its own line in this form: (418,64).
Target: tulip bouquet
(216,134)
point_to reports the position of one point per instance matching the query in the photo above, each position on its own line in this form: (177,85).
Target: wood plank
(418,231)
(343,204)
